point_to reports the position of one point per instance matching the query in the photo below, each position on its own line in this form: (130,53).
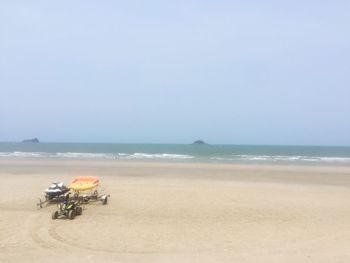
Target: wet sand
(179,212)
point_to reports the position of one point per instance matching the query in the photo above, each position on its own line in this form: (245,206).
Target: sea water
(180,152)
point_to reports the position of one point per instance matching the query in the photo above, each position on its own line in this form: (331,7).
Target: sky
(227,72)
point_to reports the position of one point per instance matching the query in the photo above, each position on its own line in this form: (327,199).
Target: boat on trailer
(84,189)
(84,183)
(56,189)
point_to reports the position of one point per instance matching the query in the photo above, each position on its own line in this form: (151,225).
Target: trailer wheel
(105,200)
(55,215)
(71,214)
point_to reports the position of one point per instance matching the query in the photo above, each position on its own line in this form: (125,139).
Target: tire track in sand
(54,235)
(42,231)
(38,226)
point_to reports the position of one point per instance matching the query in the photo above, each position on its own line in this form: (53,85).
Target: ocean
(180,152)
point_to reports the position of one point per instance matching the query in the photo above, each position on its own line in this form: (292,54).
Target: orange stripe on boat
(83,183)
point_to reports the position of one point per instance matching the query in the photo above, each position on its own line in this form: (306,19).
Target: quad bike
(68,209)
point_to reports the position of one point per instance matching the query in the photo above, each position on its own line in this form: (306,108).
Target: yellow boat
(84,183)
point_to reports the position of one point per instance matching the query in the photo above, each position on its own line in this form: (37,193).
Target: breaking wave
(281,158)
(179,157)
(156,156)
(80,155)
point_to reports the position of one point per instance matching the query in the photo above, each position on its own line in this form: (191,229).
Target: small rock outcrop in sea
(34,140)
(199,142)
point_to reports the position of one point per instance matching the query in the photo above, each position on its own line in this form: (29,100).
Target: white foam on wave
(328,159)
(80,155)
(168,156)
(23,154)
(157,156)
(67,155)
(279,158)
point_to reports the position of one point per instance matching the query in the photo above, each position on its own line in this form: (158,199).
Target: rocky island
(199,142)
(34,140)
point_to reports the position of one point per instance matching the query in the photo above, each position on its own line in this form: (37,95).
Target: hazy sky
(239,72)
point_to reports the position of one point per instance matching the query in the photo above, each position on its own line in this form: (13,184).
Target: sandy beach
(179,212)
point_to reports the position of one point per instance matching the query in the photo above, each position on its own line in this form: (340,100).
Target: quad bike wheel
(78,210)
(105,200)
(55,215)
(71,214)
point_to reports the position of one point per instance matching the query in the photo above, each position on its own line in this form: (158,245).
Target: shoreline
(179,161)
(297,174)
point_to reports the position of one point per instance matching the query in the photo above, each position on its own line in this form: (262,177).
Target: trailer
(86,190)
(55,193)
(83,189)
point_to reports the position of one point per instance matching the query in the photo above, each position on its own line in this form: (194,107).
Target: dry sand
(179,212)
